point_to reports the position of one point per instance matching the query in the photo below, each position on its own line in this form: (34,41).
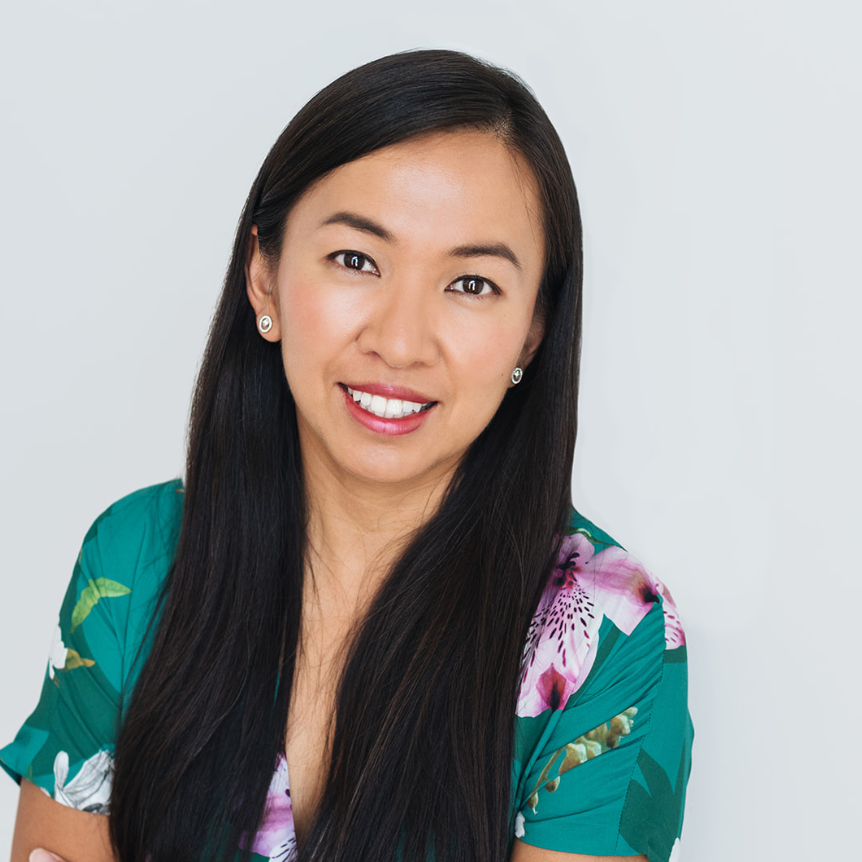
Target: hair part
(424,723)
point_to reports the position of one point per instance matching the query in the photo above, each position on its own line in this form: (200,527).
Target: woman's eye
(355,260)
(472,285)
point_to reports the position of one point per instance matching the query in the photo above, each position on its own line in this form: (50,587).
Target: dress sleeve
(66,746)
(609,773)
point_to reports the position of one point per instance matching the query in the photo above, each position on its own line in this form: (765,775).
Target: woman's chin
(392,468)
(397,475)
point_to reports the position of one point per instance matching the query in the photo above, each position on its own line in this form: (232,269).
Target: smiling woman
(368,624)
(371,296)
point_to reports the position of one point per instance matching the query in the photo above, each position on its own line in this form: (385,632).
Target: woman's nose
(402,327)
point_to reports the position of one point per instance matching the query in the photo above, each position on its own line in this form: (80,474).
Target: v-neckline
(276,837)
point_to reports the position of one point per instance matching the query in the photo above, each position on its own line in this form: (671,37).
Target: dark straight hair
(423,735)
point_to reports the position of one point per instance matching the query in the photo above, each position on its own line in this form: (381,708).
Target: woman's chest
(300,772)
(308,743)
(311,715)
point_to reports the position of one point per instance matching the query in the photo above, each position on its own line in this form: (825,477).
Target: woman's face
(407,282)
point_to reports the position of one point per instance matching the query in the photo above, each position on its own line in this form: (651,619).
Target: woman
(318,643)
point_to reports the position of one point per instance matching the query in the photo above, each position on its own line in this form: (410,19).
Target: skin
(73,835)
(433,302)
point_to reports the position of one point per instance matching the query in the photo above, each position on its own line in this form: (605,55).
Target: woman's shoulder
(66,745)
(122,566)
(129,549)
(145,520)
(604,683)
(596,592)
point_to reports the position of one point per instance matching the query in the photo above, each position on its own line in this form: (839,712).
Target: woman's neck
(357,528)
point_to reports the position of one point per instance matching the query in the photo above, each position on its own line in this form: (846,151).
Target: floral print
(585,587)
(275,837)
(520,832)
(90,789)
(673,634)
(57,653)
(591,744)
(602,617)
(101,588)
(62,659)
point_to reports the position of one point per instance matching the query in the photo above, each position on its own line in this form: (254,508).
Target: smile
(386,408)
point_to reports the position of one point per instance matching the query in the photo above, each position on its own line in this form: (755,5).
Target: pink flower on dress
(584,588)
(674,636)
(276,838)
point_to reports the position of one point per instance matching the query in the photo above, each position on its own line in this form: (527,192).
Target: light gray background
(716,153)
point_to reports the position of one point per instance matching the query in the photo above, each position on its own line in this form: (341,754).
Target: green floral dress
(603,734)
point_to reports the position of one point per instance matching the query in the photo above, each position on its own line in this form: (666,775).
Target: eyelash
(495,291)
(366,259)
(351,253)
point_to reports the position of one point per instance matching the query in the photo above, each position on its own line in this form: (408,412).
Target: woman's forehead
(459,186)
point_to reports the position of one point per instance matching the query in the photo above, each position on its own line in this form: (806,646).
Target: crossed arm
(76,836)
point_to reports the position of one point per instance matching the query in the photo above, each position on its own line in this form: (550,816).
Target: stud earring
(517,374)
(265,323)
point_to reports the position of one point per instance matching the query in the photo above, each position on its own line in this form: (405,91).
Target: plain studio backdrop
(716,152)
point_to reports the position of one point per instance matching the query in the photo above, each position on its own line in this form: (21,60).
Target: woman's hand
(522,852)
(55,831)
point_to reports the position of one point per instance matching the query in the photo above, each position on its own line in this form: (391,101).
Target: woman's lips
(387,413)
(386,390)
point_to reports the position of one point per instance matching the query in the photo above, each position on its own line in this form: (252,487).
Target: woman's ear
(260,287)
(534,339)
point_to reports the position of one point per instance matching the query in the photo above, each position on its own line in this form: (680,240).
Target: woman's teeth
(386,408)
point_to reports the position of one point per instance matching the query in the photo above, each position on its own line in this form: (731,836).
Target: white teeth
(385,408)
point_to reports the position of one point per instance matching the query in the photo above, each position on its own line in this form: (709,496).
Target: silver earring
(265,323)
(517,374)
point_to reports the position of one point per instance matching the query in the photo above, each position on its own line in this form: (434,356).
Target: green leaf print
(651,817)
(101,588)
(73,660)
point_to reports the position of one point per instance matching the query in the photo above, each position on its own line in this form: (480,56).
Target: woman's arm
(76,836)
(522,852)
(80,837)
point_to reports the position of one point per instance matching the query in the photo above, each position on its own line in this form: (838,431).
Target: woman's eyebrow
(367,225)
(359,222)
(492,249)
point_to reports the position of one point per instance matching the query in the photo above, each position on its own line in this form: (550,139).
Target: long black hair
(424,726)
